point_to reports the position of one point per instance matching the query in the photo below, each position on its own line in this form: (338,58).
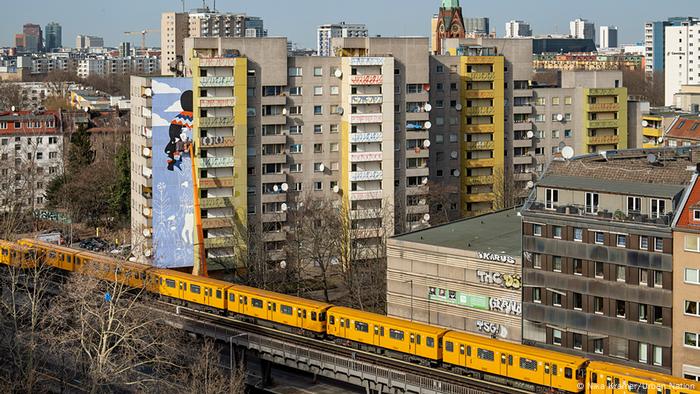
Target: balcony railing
(216,162)
(480,145)
(366,79)
(217,102)
(216,122)
(604,140)
(479,111)
(480,76)
(219,242)
(217,62)
(366,118)
(358,157)
(478,180)
(367,99)
(359,176)
(603,107)
(603,124)
(366,137)
(215,82)
(216,202)
(214,183)
(597,212)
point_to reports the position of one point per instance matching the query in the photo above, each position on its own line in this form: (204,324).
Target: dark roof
(498,232)
(686,128)
(611,186)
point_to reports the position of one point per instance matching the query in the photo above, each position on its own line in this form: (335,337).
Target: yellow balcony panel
(603,92)
(652,132)
(480,197)
(480,76)
(478,180)
(479,128)
(217,142)
(480,145)
(603,124)
(216,162)
(217,102)
(479,163)
(224,222)
(479,94)
(223,121)
(479,111)
(219,242)
(215,82)
(217,62)
(604,107)
(216,202)
(650,146)
(604,140)
(215,183)
(480,60)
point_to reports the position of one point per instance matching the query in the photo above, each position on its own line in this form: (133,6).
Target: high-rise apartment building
(682,59)
(608,37)
(518,29)
(87,42)
(325,33)
(202,22)
(655,41)
(582,28)
(478,26)
(598,266)
(54,36)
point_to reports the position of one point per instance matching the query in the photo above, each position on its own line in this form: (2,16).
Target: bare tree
(506,192)
(441,196)
(11,95)
(205,374)
(649,87)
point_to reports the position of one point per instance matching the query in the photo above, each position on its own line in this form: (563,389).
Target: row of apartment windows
(28,140)
(657,207)
(542,101)
(29,125)
(541,118)
(599,238)
(542,134)
(39,171)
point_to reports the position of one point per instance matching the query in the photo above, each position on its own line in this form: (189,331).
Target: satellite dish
(425,180)
(338,73)
(13,108)
(426,144)
(426,217)
(458,107)
(422,201)
(427,125)
(530,184)
(456,173)
(336,189)
(530,134)
(275,188)
(147,151)
(148,92)
(285,187)
(283,264)
(560,117)
(322,167)
(147,211)
(645,123)
(284,207)
(567,152)
(147,252)
(284,111)
(339,111)
(454,154)
(651,158)
(427,107)
(661,139)
(147,232)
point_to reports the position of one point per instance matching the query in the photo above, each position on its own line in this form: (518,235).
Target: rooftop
(685,127)
(497,232)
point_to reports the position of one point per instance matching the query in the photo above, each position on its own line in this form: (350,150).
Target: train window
(526,363)
(299,315)
(342,322)
(195,289)
(469,351)
(568,373)
(4,252)
(594,377)
(169,283)
(52,255)
(554,369)
(412,338)
(635,387)
(485,354)
(331,320)
(69,259)
(274,307)
(510,360)
(347,322)
(617,382)
(449,346)
(231,297)
(322,316)
(287,310)
(360,326)
(381,331)
(313,316)
(303,315)
(142,275)
(396,334)
(417,339)
(546,369)
(218,294)
(461,349)
(269,306)
(376,330)
(256,302)
(245,300)
(503,358)
(430,342)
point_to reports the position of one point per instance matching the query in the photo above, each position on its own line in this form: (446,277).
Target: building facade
(325,33)
(608,37)
(518,29)
(655,42)
(591,61)
(477,26)
(465,275)
(598,272)
(54,36)
(87,42)
(582,28)
(681,59)
(447,23)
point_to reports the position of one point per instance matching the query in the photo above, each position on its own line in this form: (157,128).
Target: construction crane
(143,34)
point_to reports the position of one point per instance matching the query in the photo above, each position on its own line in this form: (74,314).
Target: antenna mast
(183,6)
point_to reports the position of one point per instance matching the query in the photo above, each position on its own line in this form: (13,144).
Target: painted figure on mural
(180,128)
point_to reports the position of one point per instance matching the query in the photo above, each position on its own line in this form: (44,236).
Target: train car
(15,255)
(544,368)
(191,288)
(608,378)
(376,331)
(308,315)
(110,269)
(54,255)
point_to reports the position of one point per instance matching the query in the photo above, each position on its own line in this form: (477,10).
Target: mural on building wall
(173,205)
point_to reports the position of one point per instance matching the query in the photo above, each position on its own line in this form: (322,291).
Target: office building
(518,29)
(87,42)
(465,275)
(477,26)
(598,266)
(325,33)
(54,36)
(608,37)
(447,23)
(32,38)
(562,45)
(655,41)
(681,58)
(582,28)
(125,49)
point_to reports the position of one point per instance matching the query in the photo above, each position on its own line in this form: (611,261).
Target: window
(691,308)
(556,231)
(696,213)
(334,128)
(318,186)
(692,243)
(295,167)
(537,229)
(599,237)
(620,308)
(360,326)
(578,234)
(335,91)
(256,303)
(658,208)
(195,289)
(449,346)
(598,346)
(643,353)
(430,342)
(598,307)
(318,110)
(318,148)
(578,301)
(537,295)
(537,260)
(634,205)
(287,310)
(643,312)
(295,91)
(658,244)
(620,273)
(396,334)
(318,90)
(692,276)
(295,110)
(318,71)
(621,240)
(643,242)
(578,345)
(526,363)
(318,129)
(334,147)
(170,283)
(691,339)
(643,276)
(317,167)
(551,198)
(658,279)
(556,337)
(295,148)
(658,355)
(295,72)
(592,201)
(485,354)
(541,101)
(578,267)
(556,263)
(556,299)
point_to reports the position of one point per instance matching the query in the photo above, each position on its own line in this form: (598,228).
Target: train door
(412,343)
(181,289)
(377,335)
(271,309)
(506,363)
(547,375)
(464,352)
(342,328)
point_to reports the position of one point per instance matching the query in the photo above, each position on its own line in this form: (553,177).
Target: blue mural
(173,200)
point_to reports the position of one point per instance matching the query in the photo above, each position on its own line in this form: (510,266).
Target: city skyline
(105,20)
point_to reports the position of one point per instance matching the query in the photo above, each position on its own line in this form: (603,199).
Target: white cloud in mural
(175,107)
(158,121)
(162,88)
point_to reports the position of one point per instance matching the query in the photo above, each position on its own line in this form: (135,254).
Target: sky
(298,19)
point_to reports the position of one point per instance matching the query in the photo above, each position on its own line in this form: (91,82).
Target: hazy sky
(298,19)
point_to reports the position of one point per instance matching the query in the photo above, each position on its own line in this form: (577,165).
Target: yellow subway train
(459,352)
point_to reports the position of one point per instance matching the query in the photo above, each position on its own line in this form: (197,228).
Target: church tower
(448,23)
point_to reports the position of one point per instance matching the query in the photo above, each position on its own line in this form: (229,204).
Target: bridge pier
(265,373)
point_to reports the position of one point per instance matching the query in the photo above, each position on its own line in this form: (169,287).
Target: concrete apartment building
(350,127)
(465,275)
(598,271)
(518,29)
(87,42)
(325,33)
(682,59)
(175,27)
(582,28)
(655,41)
(587,111)
(608,37)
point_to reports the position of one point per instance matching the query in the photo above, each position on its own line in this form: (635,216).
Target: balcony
(522,126)
(417,153)
(422,171)
(417,209)
(359,176)
(273,100)
(417,190)
(273,139)
(367,61)
(219,242)
(417,115)
(210,122)
(216,183)
(359,214)
(366,99)
(273,120)
(480,197)
(479,163)
(604,107)
(604,140)
(524,159)
(522,143)
(217,142)
(603,92)
(523,177)
(523,93)
(586,211)
(359,157)
(273,197)
(271,217)
(366,79)
(274,178)
(273,158)
(478,180)
(480,76)
(215,82)
(217,62)
(603,124)
(479,111)
(216,202)
(366,118)
(366,233)
(478,129)
(217,102)
(652,132)
(480,145)
(522,110)
(366,195)
(479,94)
(272,236)
(216,162)
(366,137)
(222,222)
